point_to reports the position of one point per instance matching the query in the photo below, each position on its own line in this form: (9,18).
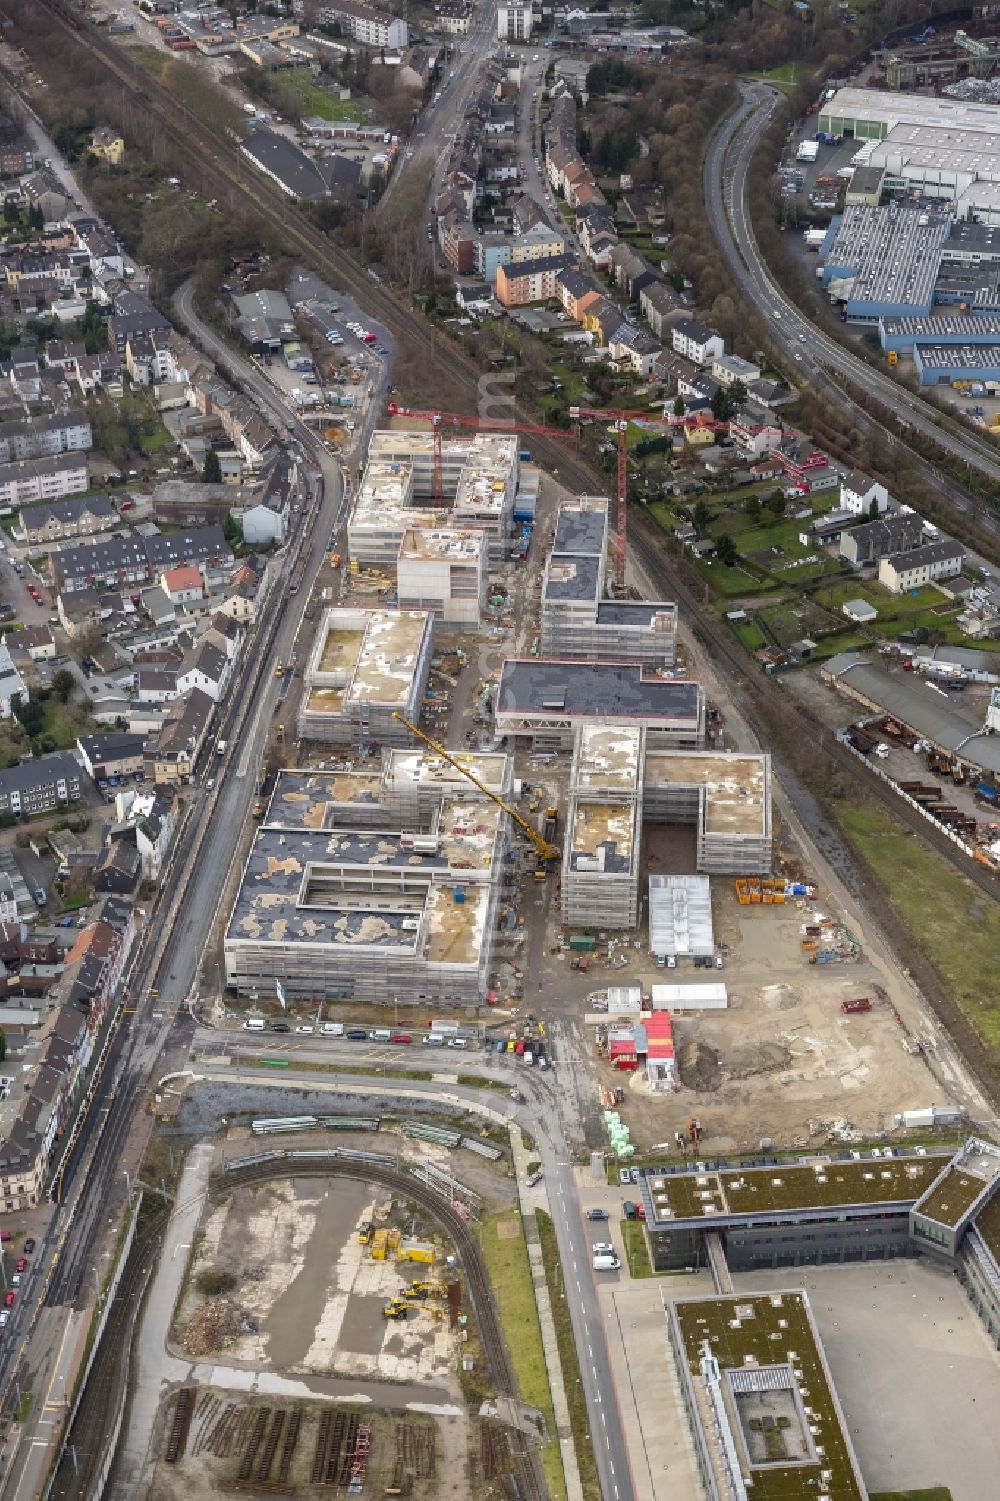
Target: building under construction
(618,783)
(365,666)
(600,868)
(365,887)
(577,620)
(726,795)
(397,492)
(546,700)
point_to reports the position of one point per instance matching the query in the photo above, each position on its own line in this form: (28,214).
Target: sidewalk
(557,1385)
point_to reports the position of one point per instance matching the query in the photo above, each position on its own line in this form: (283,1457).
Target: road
(438,123)
(93,1185)
(727,163)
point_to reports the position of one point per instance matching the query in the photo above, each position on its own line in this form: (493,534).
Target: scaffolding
(600,870)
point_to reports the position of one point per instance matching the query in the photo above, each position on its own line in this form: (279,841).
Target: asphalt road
(809,350)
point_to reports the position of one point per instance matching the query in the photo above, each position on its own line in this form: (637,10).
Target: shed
(624,998)
(859,610)
(709,996)
(660,1066)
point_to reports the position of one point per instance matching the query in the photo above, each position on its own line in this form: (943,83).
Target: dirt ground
(434,1451)
(783,1061)
(307,1297)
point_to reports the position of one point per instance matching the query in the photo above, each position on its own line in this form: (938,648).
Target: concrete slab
(915,1371)
(651,1410)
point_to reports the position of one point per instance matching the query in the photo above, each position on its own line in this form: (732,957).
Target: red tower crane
(620,418)
(438,420)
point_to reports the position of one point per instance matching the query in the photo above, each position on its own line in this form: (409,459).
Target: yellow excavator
(545,851)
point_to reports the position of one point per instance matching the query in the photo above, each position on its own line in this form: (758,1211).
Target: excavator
(544,849)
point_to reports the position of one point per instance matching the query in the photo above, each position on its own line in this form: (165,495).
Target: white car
(306,1030)
(603,1248)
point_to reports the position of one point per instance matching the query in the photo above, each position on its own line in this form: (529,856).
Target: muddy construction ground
(210,1442)
(299,1294)
(783,1061)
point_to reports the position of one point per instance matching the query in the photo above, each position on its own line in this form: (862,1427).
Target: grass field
(785,77)
(589,1479)
(636,1250)
(959,929)
(298,87)
(510,1275)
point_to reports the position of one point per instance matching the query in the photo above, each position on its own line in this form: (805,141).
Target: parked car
(4,1317)
(598,1214)
(630,1210)
(357,1034)
(29,1244)
(280,1027)
(625,1176)
(400,1037)
(8,1300)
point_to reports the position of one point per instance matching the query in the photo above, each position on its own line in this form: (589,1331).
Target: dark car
(29,1244)
(630,1210)
(357,1034)
(598,1214)
(280,1027)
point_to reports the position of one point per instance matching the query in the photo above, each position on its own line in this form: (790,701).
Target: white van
(254,1024)
(606,1262)
(333,1029)
(381,1034)
(457,1042)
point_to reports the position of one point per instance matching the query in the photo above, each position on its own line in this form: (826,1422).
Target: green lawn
(785,77)
(568,1359)
(298,87)
(636,1250)
(750,634)
(958,928)
(510,1275)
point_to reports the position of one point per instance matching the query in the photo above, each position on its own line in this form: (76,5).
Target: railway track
(84,1450)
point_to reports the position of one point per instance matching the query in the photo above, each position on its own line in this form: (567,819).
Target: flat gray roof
(573,577)
(580,529)
(944,721)
(960,356)
(612,689)
(632,611)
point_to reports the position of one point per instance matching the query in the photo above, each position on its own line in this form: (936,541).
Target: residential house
(862,495)
(12,684)
(174,749)
(27,480)
(124,562)
(39,436)
(39,785)
(119,869)
(132,313)
(603,319)
(113,754)
(630,272)
(42,525)
(246,591)
(183,585)
(514,21)
(727,369)
(753,434)
(877,539)
(525,214)
(576,293)
(373,28)
(266,523)
(153,816)
(634,349)
(660,305)
(530,281)
(38,641)
(157,685)
(108,145)
(921,565)
(696,342)
(79,612)
(670,369)
(207,667)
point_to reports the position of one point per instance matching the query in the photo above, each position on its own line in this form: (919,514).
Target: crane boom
(543,848)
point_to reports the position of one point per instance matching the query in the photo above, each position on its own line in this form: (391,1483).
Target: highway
(809,350)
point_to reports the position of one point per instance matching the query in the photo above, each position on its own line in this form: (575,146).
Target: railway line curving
(83,1453)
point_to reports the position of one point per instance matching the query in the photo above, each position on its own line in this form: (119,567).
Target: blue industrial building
(944,364)
(903,334)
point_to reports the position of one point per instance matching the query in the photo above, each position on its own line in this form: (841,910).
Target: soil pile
(212,1327)
(698,1066)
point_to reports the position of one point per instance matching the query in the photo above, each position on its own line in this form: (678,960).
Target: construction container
(416,1250)
(582,943)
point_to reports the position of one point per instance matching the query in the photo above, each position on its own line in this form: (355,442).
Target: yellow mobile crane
(543,849)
